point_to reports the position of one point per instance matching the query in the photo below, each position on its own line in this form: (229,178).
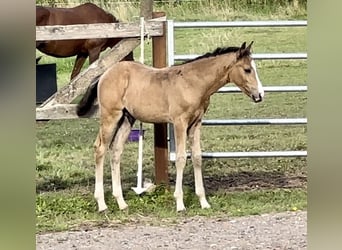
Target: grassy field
(235,187)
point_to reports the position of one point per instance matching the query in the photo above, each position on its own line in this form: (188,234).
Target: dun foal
(179,95)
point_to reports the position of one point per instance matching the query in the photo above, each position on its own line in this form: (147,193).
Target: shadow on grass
(245,180)
(239,181)
(56,183)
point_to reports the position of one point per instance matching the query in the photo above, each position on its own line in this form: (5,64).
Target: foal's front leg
(196,157)
(180,138)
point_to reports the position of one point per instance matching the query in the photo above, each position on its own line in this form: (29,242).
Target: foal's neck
(213,72)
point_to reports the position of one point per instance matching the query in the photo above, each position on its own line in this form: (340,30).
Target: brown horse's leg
(117,149)
(129,57)
(94,54)
(80,59)
(108,123)
(196,157)
(180,138)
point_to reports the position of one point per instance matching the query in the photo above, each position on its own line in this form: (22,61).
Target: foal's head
(243,73)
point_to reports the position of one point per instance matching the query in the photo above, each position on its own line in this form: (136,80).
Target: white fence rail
(172,58)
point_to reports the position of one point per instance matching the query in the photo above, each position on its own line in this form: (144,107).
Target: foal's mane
(219,51)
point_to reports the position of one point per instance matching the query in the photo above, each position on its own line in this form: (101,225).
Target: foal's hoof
(102,209)
(204,203)
(205,206)
(123,207)
(181,209)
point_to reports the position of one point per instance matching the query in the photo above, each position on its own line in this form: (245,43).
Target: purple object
(134,135)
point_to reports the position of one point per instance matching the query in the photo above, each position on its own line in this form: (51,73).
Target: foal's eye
(247,71)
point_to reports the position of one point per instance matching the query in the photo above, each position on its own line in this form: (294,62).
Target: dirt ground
(270,231)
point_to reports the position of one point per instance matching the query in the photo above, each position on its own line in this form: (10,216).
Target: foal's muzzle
(257,98)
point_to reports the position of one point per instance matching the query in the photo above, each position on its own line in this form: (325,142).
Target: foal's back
(148,93)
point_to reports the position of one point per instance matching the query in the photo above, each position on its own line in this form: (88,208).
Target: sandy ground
(270,231)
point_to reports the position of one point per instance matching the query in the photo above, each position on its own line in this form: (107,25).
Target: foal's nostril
(257,99)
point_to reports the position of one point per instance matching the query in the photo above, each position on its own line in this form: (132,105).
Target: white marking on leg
(99,192)
(180,136)
(178,194)
(99,196)
(196,156)
(117,149)
(199,187)
(260,88)
(116,184)
(117,191)
(102,141)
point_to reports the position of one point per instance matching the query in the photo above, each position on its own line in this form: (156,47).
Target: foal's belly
(149,114)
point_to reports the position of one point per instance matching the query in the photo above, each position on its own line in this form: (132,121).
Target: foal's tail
(84,106)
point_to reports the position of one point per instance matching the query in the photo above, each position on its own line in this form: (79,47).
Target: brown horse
(82,48)
(178,94)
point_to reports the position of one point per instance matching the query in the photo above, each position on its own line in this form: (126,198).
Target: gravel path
(270,231)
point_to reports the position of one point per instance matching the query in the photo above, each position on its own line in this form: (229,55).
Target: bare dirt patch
(270,231)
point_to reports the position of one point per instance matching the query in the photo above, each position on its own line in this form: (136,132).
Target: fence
(172,58)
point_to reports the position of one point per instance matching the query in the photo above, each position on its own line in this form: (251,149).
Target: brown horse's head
(244,74)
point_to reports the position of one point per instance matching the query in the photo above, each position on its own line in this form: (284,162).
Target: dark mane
(216,52)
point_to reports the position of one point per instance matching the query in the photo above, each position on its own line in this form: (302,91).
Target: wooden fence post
(160,130)
(146,9)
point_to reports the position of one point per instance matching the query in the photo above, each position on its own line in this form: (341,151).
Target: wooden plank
(78,85)
(96,30)
(61,111)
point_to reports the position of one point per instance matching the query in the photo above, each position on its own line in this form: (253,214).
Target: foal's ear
(241,51)
(249,46)
(243,46)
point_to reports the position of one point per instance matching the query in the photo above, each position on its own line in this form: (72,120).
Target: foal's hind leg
(108,123)
(117,149)
(196,157)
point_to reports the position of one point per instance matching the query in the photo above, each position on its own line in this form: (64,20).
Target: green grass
(235,187)
(69,210)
